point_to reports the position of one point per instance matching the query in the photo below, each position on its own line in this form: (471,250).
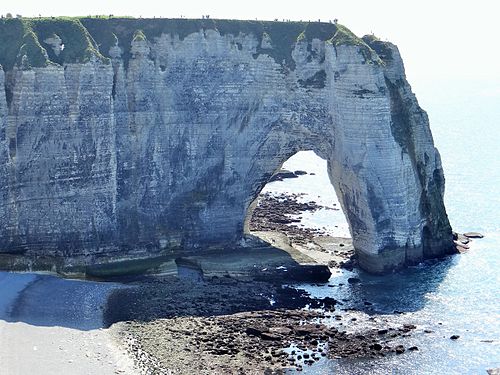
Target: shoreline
(229,313)
(64,333)
(239,325)
(230,326)
(51,325)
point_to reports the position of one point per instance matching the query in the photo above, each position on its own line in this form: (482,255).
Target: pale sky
(439,40)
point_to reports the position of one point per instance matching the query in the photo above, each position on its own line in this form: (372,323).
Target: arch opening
(298,206)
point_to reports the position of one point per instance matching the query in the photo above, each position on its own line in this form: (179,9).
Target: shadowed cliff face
(158,143)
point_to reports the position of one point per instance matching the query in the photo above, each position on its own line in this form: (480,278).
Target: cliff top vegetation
(83,38)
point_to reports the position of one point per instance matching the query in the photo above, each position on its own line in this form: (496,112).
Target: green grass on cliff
(20,45)
(79,46)
(382,48)
(87,37)
(283,35)
(11,39)
(31,53)
(344,36)
(138,36)
(25,37)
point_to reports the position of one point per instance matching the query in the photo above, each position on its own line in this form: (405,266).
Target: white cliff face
(61,160)
(166,151)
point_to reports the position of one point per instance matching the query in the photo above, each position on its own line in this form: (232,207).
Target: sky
(440,41)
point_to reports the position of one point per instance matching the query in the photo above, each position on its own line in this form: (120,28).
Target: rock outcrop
(141,138)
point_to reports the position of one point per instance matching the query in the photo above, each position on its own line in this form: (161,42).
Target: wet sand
(50,325)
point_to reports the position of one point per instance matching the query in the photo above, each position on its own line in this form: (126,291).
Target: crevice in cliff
(400,122)
(9,88)
(317,81)
(115,78)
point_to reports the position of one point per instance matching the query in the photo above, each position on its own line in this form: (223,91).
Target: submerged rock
(300,173)
(473,235)
(400,349)
(282,175)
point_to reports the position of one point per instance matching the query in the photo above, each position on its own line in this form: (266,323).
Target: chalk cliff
(128,138)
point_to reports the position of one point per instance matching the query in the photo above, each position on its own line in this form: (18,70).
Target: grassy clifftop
(84,37)
(23,41)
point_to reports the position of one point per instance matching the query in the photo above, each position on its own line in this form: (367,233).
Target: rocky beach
(228,326)
(240,325)
(247,322)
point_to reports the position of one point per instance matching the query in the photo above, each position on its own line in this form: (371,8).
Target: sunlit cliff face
(158,144)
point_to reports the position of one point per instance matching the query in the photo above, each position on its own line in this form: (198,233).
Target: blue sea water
(457,296)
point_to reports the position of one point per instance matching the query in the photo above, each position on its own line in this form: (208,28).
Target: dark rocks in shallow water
(275,213)
(269,336)
(281,175)
(413,349)
(309,273)
(347,265)
(190,315)
(329,302)
(454,337)
(408,327)
(400,349)
(255,331)
(461,247)
(353,280)
(473,235)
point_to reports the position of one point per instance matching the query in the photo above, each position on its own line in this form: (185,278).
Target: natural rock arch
(161,148)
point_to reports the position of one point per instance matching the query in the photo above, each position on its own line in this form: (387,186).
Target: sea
(459,295)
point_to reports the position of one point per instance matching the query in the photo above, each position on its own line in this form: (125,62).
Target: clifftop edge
(39,42)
